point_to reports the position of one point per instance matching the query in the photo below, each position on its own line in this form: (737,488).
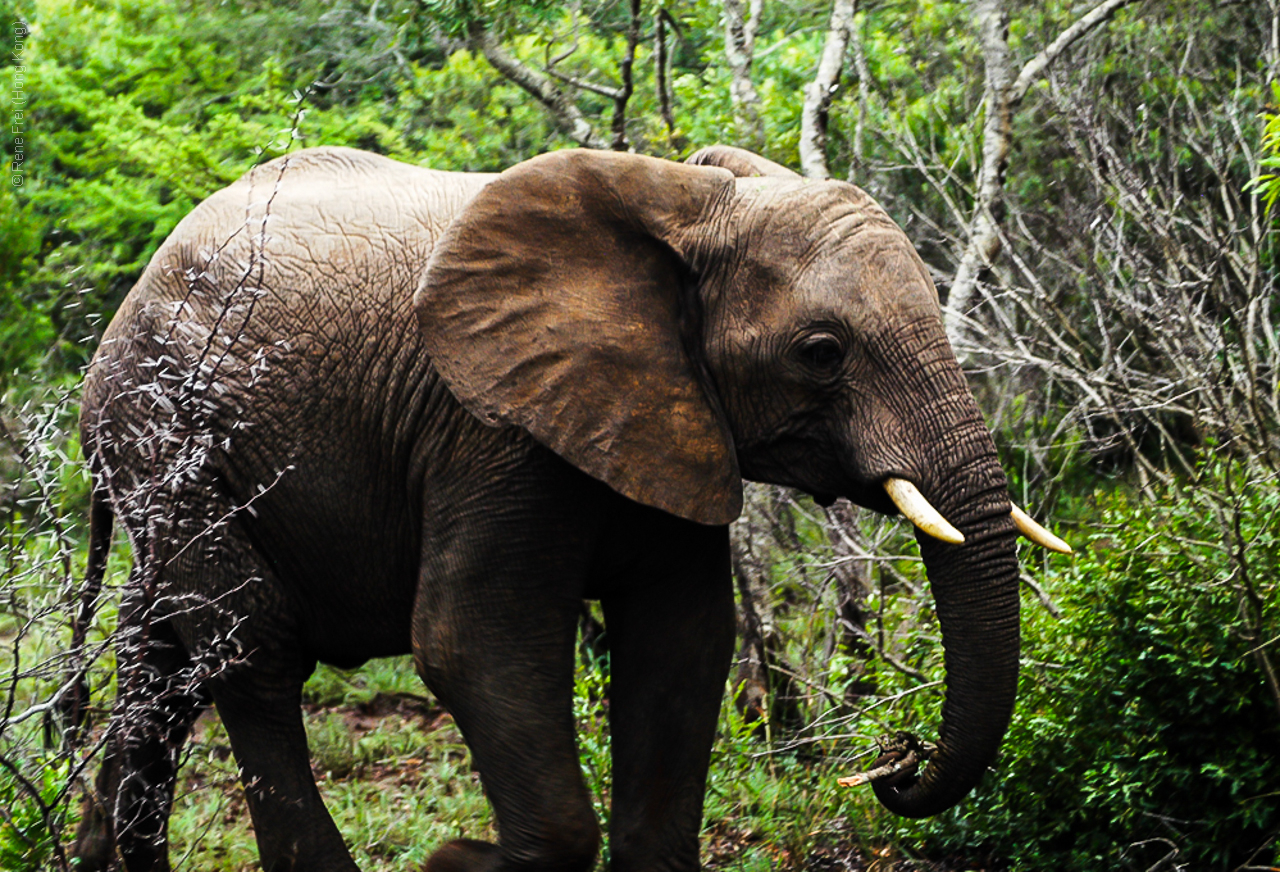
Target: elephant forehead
(877,268)
(867,277)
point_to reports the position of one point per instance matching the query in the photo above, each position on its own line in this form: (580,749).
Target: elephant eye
(821,352)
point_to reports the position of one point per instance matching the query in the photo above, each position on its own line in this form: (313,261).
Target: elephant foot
(464,855)
(94,849)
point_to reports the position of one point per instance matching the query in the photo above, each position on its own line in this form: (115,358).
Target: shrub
(1145,733)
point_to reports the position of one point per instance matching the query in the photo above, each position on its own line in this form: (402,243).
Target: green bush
(26,835)
(1144,727)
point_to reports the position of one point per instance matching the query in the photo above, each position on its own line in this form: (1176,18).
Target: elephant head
(672,328)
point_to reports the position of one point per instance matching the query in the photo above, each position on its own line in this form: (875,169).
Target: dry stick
(911,759)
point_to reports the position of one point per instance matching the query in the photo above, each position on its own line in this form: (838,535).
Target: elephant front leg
(495,643)
(671,635)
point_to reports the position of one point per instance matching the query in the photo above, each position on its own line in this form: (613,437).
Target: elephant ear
(739,161)
(559,301)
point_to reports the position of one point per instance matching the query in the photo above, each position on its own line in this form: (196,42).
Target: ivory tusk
(1037,534)
(912,503)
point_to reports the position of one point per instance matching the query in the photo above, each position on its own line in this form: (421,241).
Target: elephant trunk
(975,588)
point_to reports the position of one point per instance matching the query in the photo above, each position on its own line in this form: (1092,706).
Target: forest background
(1089,185)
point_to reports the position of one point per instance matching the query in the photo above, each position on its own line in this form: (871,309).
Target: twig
(910,760)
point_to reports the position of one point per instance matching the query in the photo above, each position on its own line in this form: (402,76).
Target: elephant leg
(128,817)
(240,619)
(262,712)
(496,646)
(671,636)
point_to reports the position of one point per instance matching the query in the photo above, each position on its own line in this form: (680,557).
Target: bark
(1273,42)
(739,47)
(864,98)
(1004,94)
(540,87)
(984,233)
(819,93)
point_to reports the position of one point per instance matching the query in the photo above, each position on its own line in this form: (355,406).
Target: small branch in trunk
(566,115)
(907,752)
(624,73)
(893,768)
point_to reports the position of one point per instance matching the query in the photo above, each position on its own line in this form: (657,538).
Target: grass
(396,777)
(390,764)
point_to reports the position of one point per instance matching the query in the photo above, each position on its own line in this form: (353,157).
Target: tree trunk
(819,92)
(739,47)
(984,230)
(864,97)
(624,73)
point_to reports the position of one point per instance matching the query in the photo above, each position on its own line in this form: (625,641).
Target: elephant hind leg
(246,627)
(127,816)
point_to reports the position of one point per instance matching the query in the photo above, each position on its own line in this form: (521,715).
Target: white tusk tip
(1037,534)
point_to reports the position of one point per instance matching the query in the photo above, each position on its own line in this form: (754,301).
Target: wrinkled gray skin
(356,408)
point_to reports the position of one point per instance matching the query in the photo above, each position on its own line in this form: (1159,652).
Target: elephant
(355,408)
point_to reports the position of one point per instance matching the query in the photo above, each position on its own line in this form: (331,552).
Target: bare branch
(582,84)
(1003,96)
(1036,67)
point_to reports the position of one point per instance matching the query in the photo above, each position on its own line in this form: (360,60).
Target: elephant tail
(74,703)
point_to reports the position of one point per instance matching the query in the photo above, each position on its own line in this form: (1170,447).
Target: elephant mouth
(823,499)
(869,496)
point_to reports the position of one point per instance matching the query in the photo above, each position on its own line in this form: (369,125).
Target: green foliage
(590,690)
(1267,185)
(26,841)
(1144,725)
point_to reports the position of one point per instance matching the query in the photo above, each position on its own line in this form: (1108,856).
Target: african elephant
(355,408)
